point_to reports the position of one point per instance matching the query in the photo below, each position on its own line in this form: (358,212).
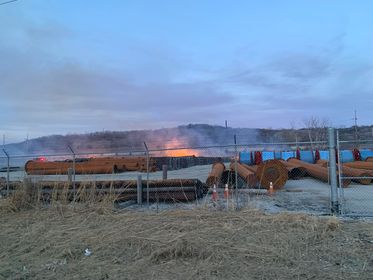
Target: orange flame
(177,143)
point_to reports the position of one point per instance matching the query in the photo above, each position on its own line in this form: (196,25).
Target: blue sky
(81,66)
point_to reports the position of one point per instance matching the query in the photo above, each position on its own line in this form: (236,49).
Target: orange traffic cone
(226,191)
(214,194)
(270,190)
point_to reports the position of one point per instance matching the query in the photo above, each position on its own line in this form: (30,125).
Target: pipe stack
(105,165)
(181,190)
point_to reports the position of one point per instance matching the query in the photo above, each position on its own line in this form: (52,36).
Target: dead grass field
(49,243)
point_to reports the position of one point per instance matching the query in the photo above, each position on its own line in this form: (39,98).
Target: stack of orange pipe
(105,165)
(352,172)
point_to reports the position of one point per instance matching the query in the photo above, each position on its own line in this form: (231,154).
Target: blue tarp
(278,155)
(287,155)
(266,155)
(365,154)
(307,156)
(324,155)
(347,156)
(245,157)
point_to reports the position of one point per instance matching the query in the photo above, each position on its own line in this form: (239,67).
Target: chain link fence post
(340,177)
(333,172)
(73,177)
(147,173)
(235,170)
(139,190)
(7,171)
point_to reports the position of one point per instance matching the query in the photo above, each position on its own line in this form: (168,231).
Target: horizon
(170,128)
(73,68)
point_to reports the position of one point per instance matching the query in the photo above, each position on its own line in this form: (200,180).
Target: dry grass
(29,195)
(48,242)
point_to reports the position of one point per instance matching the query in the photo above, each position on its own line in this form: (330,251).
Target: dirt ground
(49,243)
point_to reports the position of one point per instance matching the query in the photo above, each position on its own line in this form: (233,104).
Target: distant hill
(192,135)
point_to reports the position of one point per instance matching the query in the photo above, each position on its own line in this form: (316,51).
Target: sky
(77,66)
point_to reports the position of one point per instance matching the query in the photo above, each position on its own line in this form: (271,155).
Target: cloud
(301,66)
(47,94)
(323,81)
(52,83)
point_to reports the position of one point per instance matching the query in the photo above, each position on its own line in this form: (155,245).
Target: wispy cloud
(46,93)
(49,85)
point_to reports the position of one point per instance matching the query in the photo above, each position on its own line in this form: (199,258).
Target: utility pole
(356,133)
(296,139)
(226,124)
(27,144)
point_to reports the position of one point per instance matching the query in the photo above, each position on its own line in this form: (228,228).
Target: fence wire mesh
(355,169)
(270,176)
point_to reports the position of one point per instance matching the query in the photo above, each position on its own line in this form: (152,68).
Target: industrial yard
(254,217)
(246,215)
(300,185)
(304,195)
(186,140)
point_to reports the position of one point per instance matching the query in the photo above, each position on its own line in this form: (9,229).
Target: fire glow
(175,152)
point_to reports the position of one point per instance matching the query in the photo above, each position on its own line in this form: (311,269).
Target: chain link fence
(270,176)
(355,171)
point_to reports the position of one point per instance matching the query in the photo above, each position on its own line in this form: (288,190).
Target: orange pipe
(252,168)
(316,171)
(295,171)
(353,172)
(360,164)
(272,171)
(244,173)
(215,174)
(322,162)
(90,166)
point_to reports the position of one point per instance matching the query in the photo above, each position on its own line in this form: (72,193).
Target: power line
(7,2)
